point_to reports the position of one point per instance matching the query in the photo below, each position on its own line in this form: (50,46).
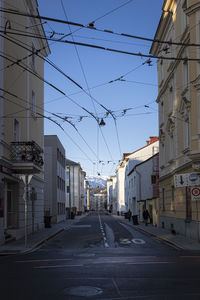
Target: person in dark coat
(129,214)
(146,216)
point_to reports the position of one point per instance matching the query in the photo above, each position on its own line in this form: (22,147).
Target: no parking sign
(195,193)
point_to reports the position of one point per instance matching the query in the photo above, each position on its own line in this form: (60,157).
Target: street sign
(181,180)
(195,193)
(187,179)
(193,178)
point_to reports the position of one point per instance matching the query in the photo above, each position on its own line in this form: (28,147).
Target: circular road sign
(196,192)
(193,177)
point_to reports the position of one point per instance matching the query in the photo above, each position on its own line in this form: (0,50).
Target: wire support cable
(139,54)
(17,12)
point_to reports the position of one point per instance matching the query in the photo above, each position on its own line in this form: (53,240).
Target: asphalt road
(101,258)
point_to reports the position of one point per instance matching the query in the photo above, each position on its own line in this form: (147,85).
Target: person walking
(146,216)
(129,214)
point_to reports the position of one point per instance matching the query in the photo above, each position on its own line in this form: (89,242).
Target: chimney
(148,143)
(153,139)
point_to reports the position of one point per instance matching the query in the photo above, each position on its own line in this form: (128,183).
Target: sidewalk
(38,238)
(176,240)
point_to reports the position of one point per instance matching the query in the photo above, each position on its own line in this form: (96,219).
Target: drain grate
(83,291)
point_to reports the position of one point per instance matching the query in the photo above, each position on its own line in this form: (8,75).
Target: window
(172,199)
(187,131)
(67,175)
(171,147)
(33,58)
(16,131)
(185,74)
(171,97)
(153,179)
(185,17)
(58,182)
(68,189)
(163,199)
(33,104)
(161,71)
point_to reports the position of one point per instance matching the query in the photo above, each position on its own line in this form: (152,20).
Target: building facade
(21,125)
(128,162)
(144,188)
(179,113)
(75,190)
(54,176)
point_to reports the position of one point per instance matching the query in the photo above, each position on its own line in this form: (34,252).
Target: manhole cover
(83,291)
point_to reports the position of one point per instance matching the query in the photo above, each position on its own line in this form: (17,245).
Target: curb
(38,244)
(164,240)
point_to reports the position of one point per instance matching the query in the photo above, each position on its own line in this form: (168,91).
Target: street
(101,257)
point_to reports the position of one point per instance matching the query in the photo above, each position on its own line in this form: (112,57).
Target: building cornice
(175,171)
(196,83)
(193,9)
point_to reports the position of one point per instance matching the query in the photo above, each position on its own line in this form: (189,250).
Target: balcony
(26,157)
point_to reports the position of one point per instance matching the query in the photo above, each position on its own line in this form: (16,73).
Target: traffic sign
(181,180)
(193,178)
(187,179)
(195,193)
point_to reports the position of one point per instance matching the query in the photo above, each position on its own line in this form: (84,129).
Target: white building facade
(144,188)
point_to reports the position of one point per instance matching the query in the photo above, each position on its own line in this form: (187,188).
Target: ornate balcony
(26,157)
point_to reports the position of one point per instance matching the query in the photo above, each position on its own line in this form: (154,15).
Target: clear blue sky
(100,150)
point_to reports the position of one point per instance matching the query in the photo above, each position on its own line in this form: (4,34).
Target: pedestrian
(146,216)
(129,214)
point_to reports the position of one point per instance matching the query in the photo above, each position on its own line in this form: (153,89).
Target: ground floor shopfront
(12,206)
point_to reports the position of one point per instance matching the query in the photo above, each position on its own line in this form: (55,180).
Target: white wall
(134,159)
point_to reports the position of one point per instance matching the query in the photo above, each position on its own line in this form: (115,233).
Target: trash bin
(47,221)
(135,220)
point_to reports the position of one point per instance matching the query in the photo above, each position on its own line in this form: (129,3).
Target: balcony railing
(26,152)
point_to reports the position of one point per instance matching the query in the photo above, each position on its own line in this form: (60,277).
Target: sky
(119,88)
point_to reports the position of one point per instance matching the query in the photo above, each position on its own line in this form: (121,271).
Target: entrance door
(11,212)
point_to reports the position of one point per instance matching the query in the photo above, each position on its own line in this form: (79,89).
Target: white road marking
(103,233)
(125,241)
(138,241)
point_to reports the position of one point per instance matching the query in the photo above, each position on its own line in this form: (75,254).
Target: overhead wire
(17,12)
(82,69)
(17,97)
(139,54)
(76,102)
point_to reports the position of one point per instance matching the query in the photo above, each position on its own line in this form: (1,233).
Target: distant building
(100,200)
(128,162)
(144,188)
(54,176)
(109,184)
(75,188)
(86,195)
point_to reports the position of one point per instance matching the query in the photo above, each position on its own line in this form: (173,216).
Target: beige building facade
(21,128)
(179,113)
